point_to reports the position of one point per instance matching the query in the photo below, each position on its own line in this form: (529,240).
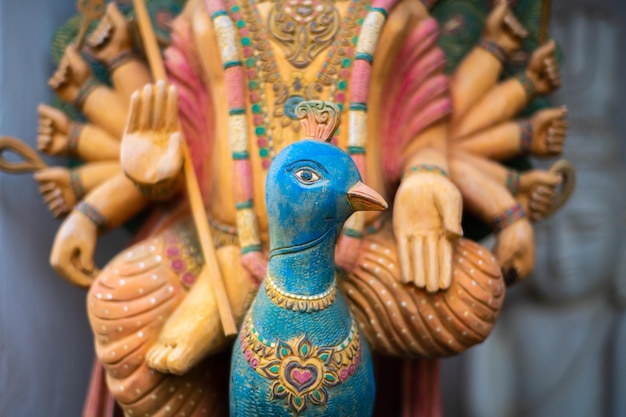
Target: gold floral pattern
(301,372)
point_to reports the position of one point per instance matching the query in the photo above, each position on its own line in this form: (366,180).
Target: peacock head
(313,186)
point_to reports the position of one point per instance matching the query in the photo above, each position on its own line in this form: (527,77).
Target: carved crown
(319,119)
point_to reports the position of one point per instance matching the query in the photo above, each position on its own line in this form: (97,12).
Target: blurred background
(559,348)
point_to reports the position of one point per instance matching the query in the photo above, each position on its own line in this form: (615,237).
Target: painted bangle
(84,91)
(72,137)
(433,169)
(526,136)
(493,48)
(513,181)
(527,84)
(93,214)
(76,184)
(509,217)
(121,59)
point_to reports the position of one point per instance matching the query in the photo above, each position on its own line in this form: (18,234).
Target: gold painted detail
(298,302)
(301,372)
(303,28)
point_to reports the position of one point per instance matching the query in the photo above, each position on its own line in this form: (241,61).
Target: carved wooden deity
(428,142)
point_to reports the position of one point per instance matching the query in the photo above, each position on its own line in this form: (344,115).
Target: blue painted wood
(307,204)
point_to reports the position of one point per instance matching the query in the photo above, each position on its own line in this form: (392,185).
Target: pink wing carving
(195,104)
(416,95)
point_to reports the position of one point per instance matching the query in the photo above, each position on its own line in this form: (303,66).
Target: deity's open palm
(151,153)
(427,220)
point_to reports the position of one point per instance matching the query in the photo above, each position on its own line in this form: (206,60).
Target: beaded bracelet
(526,136)
(527,84)
(72,137)
(84,91)
(513,181)
(93,214)
(493,48)
(76,184)
(121,59)
(510,216)
(433,169)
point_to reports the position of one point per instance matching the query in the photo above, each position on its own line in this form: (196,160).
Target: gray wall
(45,342)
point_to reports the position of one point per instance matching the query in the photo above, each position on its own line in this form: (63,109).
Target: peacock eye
(306,176)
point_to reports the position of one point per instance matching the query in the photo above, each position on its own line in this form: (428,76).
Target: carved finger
(541,199)
(45,130)
(45,122)
(52,195)
(561,124)
(43,142)
(158,119)
(171,109)
(556,140)
(405,259)
(557,131)
(417,254)
(538,206)
(133,115)
(60,211)
(115,15)
(545,191)
(55,175)
(445,263)
(46,187)
(101,34)
(514,26)
(432,270)
(56,204)
(60,77)
(145,116)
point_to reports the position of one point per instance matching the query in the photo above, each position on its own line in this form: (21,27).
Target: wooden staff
(193,190)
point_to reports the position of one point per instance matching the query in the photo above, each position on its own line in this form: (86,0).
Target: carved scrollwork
(303,28)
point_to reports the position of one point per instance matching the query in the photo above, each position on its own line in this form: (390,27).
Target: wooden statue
(299,350)
(237,71)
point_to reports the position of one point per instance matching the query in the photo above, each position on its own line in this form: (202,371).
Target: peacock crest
(319,119)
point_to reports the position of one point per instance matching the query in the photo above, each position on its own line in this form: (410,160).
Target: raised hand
(72,73)
(55,186)
(54,127)
(503,28)
(112,35)
(543,69)
(549,132)
(151,153)
(426,222)
(73,250)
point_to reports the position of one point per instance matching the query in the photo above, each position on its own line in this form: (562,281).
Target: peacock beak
(363,198)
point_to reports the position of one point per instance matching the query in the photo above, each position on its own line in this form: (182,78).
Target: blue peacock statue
(299,351)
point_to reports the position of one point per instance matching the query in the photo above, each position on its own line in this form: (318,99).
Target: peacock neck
(305,269)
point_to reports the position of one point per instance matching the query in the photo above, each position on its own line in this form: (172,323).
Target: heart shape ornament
(302,376)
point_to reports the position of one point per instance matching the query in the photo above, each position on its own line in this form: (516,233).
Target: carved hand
(54,126)
(515,250)
(504,28)
(72,73)
(151,152)
(111,36)
(543,69)
(537,189)
(549,132)
(56,190)
(73,250)
(426,221)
